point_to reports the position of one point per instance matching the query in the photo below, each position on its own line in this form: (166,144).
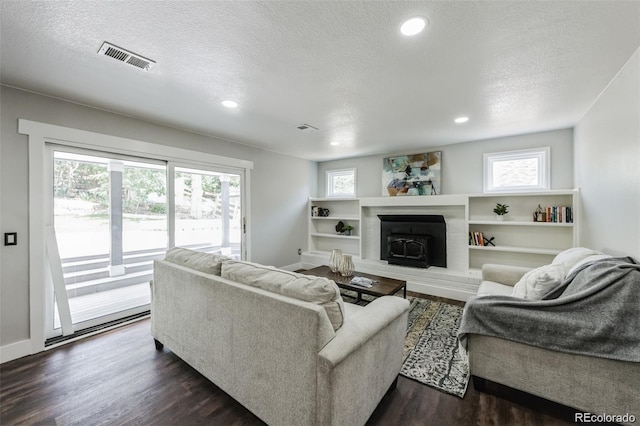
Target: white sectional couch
(282,344)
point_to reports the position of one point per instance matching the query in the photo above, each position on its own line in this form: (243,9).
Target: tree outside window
(341,183)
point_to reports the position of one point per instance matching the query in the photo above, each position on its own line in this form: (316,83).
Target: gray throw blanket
(595,312)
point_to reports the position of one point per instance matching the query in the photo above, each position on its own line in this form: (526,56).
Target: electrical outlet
(299,252)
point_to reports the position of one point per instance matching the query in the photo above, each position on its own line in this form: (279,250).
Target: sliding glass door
(113,215)
(110,223)
(208,211)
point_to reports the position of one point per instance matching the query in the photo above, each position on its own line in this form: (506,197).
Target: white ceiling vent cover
(306,127)
(126,56)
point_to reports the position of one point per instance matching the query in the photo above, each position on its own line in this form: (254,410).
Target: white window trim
(39,134)
(337,172)
(543,156)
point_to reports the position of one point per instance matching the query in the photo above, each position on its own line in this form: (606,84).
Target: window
(341,183)
(517,171)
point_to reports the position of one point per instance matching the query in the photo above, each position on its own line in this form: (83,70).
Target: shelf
(346,237)
(545,193)
(323,199)
(511,249)
(518,223)
(521,241)
(322,235)
(354,218)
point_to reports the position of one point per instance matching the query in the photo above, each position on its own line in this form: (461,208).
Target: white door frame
(41,133)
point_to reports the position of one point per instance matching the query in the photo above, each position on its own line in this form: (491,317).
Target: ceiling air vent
(126,56)
(306,127)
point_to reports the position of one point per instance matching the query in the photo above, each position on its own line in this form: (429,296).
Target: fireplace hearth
(413,240)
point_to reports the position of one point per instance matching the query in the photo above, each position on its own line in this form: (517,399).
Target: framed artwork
(417,174)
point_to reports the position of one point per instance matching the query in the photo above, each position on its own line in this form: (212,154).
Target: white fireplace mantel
(454,282)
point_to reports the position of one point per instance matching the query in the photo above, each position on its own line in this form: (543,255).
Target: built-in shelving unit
(322,233)
(518,240)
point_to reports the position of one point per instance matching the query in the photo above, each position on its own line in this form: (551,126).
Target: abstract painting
(417,174)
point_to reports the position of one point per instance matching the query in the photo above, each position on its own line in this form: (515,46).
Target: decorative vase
(346,266)
(500,218)
(335,260)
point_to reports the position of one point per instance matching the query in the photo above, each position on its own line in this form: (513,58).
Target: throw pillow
(318,290)
(571,256)
(209,263)
(538,282)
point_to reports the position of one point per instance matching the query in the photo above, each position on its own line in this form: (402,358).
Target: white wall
(276,181)
(462,163)
(607,166)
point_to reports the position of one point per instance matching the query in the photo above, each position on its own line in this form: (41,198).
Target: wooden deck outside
(96,305)
(93,294)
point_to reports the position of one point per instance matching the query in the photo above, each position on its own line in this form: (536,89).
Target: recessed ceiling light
(334,143)
(230,104)
(461,120)
(413,26)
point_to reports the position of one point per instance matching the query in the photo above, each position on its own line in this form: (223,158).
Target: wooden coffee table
(382,287)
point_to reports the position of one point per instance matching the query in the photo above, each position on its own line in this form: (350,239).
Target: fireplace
(413,240)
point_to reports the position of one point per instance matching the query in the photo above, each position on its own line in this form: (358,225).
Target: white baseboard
(15,350)
(439,291)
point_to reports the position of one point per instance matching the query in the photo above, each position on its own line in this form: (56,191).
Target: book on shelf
(476,238)
(559,214)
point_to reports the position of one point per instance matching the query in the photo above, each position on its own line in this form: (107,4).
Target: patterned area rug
(431,351)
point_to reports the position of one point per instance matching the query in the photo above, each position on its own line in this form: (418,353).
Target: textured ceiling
(513,67)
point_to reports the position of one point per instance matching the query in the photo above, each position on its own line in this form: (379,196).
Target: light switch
(10,238)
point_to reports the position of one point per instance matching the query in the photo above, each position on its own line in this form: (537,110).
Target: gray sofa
(591,384)
(282,344)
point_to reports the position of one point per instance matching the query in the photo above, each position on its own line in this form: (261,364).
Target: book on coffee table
(362,281)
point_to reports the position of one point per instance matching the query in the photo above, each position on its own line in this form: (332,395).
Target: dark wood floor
(118,378)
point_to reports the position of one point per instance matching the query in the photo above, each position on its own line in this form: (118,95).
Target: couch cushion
(204,262)
(539,281)
(570,257)
(491,288)
(318,290)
